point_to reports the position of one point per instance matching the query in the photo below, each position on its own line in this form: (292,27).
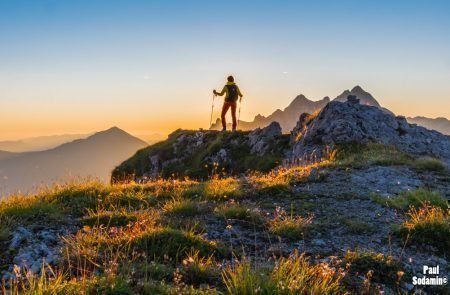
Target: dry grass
(292,275)
(239,212)
(181,207)
(222,189)
(375,267)
(428,225)
(200,270)
(289,226)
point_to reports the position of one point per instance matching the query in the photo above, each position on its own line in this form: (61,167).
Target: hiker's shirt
(231,91)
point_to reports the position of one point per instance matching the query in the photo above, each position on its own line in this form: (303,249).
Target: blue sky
(150,66)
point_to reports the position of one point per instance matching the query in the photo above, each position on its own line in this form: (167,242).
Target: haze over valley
(94,157)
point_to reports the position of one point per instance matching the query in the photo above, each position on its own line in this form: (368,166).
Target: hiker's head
(230,79)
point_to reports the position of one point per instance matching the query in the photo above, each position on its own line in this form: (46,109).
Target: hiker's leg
(225,108)
(233,114)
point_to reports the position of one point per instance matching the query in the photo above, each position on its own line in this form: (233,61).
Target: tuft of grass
(429,164)
(357,227)
(239,212)
(294,275)
(376,267)
(414,198)
(242,279)
(182,207)
(222,189)
(289,226)
(174,243)
(30,209)
(275,183)
(110,218)
(200,270)
(357,155)
(428,225)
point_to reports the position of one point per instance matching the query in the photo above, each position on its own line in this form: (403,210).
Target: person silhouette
(232,94)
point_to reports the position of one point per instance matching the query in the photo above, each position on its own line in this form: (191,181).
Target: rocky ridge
(341,123)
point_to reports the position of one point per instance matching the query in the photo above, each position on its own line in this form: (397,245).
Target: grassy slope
(148,239)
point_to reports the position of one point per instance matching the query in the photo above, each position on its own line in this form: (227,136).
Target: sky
(78,66)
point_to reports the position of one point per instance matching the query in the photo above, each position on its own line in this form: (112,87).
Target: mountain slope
(94,156)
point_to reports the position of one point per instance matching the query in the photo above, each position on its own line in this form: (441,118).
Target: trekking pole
(239,114)
(212,110)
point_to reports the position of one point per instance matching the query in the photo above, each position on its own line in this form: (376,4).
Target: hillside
(356,206)
(195,153)
(94,156)
(288,117)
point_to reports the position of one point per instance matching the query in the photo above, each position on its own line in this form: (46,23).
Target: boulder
(259,139)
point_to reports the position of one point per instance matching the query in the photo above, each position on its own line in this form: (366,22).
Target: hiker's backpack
(232,93)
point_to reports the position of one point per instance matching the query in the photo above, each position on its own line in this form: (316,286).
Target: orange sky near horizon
(192,113)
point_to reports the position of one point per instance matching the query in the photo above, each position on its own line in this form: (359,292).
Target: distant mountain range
(289,116)
(439,124)
(40,143)
(95,156)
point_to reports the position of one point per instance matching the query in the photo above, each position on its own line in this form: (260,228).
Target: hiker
(231,91)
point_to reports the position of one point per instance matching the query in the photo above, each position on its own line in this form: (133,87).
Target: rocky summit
(343,123)
(194,153)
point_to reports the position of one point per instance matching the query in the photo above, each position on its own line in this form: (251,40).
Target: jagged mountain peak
(357,88)
(365,97)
